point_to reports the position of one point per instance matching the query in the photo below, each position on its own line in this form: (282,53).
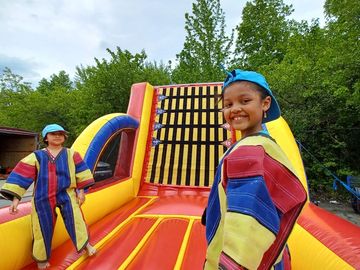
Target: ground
(337,202)
(342,209)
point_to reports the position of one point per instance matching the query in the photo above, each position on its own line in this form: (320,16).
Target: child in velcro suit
(59,175)
(256,196)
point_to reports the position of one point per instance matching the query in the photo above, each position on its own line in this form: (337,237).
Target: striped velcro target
(188,137)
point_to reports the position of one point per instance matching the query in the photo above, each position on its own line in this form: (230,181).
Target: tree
(263,33)
(342,57)
(206,44)
(105,87)
(12,82)
(52,102)
(61,80)
(317,84)
(12,91)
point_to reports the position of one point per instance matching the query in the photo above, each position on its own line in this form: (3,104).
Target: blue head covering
(52,128)
(254,77)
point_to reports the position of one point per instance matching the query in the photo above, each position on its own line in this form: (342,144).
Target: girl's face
(55,138)
(244,108)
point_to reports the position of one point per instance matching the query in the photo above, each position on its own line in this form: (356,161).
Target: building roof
(17,131)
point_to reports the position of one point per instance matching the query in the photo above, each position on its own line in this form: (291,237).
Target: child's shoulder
(30,158)
(70,151)
(73,153)
(40,151)
(258,139)
(265,142)
(271,148)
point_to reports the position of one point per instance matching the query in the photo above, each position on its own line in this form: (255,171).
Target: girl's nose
(236,109)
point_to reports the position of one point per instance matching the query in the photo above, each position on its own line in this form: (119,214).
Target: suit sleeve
(83,175)
(20,179)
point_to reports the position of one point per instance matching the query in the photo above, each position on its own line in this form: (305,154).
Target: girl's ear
(266,102)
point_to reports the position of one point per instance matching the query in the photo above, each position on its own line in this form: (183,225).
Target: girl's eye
(245,101)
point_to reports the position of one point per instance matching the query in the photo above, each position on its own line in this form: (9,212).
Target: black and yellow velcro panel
(188,138)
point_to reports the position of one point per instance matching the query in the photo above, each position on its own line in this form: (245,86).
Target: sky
(42,37)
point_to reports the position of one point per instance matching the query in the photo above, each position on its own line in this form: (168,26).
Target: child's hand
(13,207)
(80,196)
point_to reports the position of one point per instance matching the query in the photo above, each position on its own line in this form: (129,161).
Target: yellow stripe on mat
(167,216)
(181,254)
(140,245)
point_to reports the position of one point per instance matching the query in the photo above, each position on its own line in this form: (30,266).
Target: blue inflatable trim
(102,136)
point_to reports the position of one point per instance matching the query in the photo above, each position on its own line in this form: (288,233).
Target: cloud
(47,36)
(23,67)
(60,35)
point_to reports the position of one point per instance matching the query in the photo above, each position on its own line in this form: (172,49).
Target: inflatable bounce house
(154,167)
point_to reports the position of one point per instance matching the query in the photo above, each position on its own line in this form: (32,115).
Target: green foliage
(317,86)
(263,33)
(12,93)
(12,82)
(105,87)
(51,102)
(206,44)
(62,80)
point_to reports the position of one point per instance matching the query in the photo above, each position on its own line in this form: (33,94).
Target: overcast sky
(42,37)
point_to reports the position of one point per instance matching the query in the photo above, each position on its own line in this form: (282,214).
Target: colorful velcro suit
(253,205)
(56,181)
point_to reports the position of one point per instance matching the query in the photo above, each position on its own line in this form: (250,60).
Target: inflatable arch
(160,159)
